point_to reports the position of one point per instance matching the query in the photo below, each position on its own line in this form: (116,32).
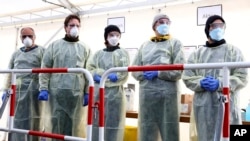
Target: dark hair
(70,17)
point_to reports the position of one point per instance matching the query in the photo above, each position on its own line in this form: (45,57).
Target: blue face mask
(217,34)
(163,29)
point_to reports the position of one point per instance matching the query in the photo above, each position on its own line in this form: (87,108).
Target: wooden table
(183,118)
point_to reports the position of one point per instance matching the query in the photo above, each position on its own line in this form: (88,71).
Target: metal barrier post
(12,104)
(226,91)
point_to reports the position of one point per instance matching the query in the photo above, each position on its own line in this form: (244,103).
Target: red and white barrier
(45,134)
(225,66)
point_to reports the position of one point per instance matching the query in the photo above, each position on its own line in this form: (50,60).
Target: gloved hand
(4,96)
(85,99)
(113,77)
(43,95)
(150,75)
(97,78)
(209,83)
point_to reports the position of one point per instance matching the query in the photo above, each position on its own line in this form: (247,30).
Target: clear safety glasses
(217,25)
(30,36)
(73,25)
(114,34)
(166,21)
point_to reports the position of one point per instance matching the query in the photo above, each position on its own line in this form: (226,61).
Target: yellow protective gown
(64,111)
(158,98)
(114,93)
(207,108)
(27,108)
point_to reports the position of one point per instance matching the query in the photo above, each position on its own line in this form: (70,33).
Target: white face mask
(74,32)
(113,41)
(27,42)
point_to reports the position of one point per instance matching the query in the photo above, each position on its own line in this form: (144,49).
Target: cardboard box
(186,103)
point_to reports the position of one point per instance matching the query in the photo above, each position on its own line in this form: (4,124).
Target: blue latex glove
(113,77)
(4,96)
(209,84)
(150,75)
(97,78)
(85,99)
(214,85)
(43,95)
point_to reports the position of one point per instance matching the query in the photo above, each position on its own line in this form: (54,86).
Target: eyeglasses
(164,22)
(217,25)
(30,36)
(112,34)
(73,25)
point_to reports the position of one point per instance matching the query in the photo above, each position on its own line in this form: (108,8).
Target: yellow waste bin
(130,133)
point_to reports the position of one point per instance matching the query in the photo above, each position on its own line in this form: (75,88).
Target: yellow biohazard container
(130,133)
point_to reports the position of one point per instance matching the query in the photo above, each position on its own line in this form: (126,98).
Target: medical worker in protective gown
(111,56)
(66,93)
(158,90)
(207,83)
(27,109)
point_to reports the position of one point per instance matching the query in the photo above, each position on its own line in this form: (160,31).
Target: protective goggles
(217,25)
(164,22)
(24,36)
(73,25)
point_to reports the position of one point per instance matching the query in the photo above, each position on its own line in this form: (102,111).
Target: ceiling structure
(19,12)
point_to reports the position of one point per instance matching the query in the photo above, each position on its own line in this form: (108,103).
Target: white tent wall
(138,28)
(8,44)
